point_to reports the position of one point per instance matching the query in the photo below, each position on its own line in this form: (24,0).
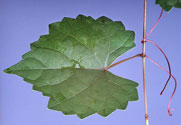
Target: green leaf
(167,5)
(68,66)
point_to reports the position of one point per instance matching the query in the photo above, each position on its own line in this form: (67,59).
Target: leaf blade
(68,66)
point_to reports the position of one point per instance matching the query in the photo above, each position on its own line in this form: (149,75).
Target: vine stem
(144,62)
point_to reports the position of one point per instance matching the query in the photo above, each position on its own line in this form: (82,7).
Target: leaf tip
(81,116)
(104,20)
(8,70)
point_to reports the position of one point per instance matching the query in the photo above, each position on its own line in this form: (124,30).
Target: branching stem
(144,62)
(124,60)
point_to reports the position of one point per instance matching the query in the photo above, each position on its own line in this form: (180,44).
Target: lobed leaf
(68,66)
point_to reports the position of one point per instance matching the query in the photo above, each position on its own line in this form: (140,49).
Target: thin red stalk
(124,60)
(169,67)
(169,109)
(154,25)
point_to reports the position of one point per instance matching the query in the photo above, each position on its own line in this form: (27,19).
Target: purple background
(23,21)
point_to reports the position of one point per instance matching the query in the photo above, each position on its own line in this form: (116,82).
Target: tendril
(169,109)
(169,67)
